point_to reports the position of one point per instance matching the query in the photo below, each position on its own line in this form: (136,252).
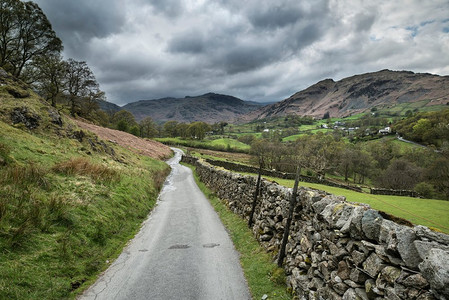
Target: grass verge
(262,274)
(65,214)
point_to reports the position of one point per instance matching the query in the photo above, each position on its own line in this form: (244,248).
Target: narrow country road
(181,252)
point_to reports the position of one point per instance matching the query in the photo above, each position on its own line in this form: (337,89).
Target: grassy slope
(262,274)
(59,227)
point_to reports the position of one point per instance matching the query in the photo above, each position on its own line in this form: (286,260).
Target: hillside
(360,93)
(138,145)
(210,108)
(108,107)
(69,200)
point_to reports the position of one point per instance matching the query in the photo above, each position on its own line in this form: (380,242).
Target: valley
(224,150)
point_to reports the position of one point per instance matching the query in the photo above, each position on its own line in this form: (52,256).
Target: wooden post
(290,217)
(256,194)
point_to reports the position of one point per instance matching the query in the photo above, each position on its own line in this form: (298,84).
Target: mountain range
(210,108)
(355,94)
(360,93)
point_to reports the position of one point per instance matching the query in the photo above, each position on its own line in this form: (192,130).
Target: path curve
(181,252)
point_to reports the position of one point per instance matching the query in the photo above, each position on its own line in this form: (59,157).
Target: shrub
(247,138)
(135,130)
(122,126)
(425,189)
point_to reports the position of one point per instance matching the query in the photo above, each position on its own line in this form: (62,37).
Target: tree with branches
(25,35)
(81,86)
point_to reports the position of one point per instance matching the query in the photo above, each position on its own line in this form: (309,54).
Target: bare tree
(401,174)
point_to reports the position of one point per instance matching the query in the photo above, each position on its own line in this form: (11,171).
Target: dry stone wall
(337,249)
(379,191)
(250,169)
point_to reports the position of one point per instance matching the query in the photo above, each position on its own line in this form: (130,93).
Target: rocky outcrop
(25,116)
(380,191)
(337,249)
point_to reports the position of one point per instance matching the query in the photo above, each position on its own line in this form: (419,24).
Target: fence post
(290,217)
(256,194)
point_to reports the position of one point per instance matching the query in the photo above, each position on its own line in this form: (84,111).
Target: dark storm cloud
(246,58)
(265,34)
(252,49)
(187,42)
(79,21)
(85,18)
(170,8)
(275,16)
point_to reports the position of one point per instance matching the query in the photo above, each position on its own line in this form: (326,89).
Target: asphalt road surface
(182,251)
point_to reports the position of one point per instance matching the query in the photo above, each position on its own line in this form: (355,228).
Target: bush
(122,126)
(135,131)
(425,189)
(247,138)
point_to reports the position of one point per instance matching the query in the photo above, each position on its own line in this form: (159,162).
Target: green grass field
(292,138)
(226,142)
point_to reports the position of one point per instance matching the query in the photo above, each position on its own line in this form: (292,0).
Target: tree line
(123,120)
(31,51)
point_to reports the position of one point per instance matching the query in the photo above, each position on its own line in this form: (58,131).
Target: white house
(386,130)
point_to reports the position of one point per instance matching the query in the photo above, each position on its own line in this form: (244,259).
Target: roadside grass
(262,274)
(64,214)
(428,212)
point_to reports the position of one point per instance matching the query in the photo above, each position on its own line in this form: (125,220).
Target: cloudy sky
(260,50)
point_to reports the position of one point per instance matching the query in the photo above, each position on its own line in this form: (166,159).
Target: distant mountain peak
(209,107)
(360,93)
